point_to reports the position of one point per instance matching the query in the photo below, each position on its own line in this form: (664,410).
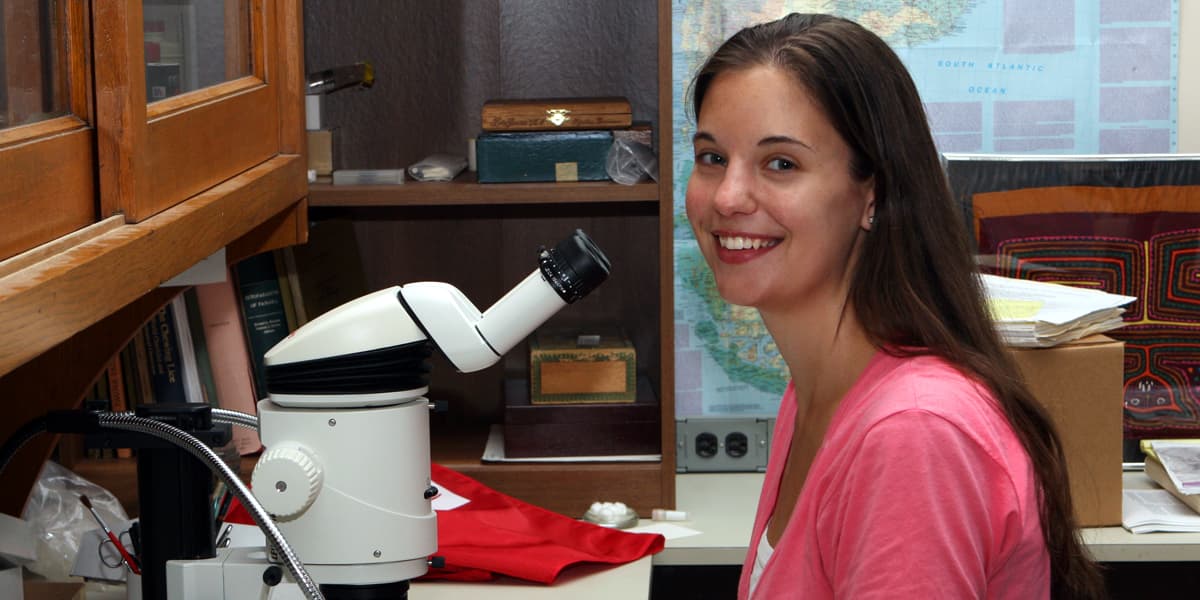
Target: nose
(735,191)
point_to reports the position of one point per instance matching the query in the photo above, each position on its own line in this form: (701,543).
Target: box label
(566,171)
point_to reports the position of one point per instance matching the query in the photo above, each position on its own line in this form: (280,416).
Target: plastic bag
(437,167)
(628,161)
(59,518)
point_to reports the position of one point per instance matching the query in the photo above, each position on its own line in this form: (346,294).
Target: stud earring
(871,220)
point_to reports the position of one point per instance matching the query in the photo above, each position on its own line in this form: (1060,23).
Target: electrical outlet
(722,444)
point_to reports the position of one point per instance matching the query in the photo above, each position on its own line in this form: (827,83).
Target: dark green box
(542,156)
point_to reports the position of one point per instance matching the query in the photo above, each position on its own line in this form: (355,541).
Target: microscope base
(240,574)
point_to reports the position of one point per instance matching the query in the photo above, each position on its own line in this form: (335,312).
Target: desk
(722,505)
(1117,544)
(584,582)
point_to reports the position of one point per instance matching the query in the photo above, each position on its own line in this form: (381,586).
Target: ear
(867,218)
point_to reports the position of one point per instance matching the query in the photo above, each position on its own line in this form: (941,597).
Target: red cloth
(495,534)
(498,534)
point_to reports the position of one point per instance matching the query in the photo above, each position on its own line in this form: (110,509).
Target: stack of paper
(1175,466)
(1035,314)
(1145,511)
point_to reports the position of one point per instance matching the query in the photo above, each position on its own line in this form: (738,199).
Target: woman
(909,459)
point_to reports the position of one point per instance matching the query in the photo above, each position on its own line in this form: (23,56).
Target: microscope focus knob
(286,480)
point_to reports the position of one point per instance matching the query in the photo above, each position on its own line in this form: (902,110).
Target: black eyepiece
(574,267)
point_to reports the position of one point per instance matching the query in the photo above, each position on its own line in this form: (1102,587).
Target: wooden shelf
(467,191)
(568,488)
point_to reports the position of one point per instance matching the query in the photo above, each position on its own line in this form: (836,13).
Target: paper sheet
(1037,314)
(1144,511)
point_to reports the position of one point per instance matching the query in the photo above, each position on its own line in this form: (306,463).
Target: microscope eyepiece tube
(566,273)
(574,267)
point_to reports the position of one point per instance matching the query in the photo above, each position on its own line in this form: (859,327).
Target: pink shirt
(919,490)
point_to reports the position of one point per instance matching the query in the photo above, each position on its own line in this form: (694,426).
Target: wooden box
(549,114)
(553,430)
(320,151)
(566,368)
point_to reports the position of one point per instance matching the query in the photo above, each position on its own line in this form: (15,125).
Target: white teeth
(745,243)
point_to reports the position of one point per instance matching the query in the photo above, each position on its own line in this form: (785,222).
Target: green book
(263,311)
(208,386)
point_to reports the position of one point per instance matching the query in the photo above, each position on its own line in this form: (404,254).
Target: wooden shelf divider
(467,191)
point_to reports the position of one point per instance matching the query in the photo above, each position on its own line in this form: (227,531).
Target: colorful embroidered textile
(1138,241)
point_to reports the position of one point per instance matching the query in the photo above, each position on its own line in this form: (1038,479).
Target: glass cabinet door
(47,159)
(194,44)
(203,96)
(33,63)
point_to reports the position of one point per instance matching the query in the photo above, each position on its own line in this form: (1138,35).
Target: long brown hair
(915,285)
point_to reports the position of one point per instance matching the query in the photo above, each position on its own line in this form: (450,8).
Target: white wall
(1189,76)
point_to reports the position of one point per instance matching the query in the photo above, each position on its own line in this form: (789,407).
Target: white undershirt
(761,556)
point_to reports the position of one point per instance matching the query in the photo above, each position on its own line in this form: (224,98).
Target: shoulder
(922,387)
(925,400)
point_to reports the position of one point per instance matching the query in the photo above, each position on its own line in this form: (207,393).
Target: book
(195,321)
(229,354)
(1036,314)
(368,177)
(293,285)
(285,291)
(189,370)
(141,367)
(116,394)
(263,314)
(1175,466)
(164,365)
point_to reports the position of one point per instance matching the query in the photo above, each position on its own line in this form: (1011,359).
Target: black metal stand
(176,519)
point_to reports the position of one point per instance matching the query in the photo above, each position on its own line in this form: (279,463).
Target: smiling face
(774,208)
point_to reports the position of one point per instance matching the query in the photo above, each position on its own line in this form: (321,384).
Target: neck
(825,353)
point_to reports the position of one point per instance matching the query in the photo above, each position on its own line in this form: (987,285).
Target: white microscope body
(346,470)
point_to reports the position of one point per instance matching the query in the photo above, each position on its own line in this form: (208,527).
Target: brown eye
(780,164)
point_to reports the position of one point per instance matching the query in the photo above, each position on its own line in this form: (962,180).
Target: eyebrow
(782,139)
(771,139)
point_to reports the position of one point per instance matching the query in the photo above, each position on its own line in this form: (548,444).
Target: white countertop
(721,506)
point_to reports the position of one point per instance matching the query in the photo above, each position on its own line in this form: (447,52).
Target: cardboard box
(320,151)
(1081,384)
(553,430)
(592,368)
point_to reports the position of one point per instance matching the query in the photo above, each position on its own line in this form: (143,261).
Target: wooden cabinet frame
(71,303)
(172,149)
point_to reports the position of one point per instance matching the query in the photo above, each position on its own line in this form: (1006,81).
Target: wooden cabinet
(69,305)
(436,64)
(115,195)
